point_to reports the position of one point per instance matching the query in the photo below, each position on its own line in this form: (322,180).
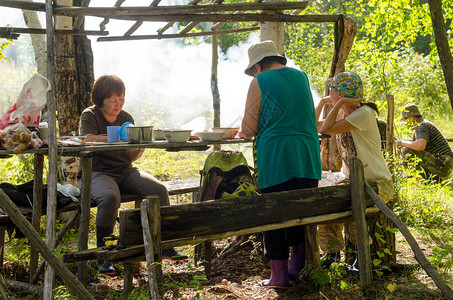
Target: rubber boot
(329,258)
(297,262)
(173,255)
(104,266)
(279,274)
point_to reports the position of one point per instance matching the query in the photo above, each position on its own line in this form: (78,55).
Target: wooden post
(49,278)
(85,205)
(312,245)
(358,210)
(37,209)
(419,256)
(2,243)
(149,221)
(34,238)
(128,277)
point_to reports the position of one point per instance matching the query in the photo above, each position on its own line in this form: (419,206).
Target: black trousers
(277,242)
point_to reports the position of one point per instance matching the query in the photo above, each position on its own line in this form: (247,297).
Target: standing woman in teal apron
(280,116)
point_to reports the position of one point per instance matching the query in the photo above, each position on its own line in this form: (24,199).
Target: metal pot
(133,135)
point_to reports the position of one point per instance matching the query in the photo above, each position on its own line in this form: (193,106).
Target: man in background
(427,143)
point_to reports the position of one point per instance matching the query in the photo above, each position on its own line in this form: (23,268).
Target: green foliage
(3,46)
(195,284)
(17,169)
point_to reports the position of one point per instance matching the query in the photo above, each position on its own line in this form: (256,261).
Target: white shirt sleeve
(361,118)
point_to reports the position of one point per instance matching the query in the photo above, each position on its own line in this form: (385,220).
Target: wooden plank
(35,239)
(138,12)
(217,216)
(358,209)
(148,221)
(38,163)
(419,256)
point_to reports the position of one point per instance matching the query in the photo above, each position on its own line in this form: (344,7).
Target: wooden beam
(106,20)
(23,5)
(38,164)
(419,256)
(6,30)
(174,9)
(246,17)
(35,239)
(172,36)
(140,22)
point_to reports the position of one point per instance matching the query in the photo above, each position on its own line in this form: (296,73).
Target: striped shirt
(435,141)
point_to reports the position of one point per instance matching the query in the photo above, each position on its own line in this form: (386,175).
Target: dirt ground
(239,275)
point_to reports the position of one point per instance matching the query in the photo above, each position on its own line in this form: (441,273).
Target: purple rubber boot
(297,262)
(279,274)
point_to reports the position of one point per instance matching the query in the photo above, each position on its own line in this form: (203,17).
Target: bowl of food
(177,135)
(158,134)
(210,135)
(230,132)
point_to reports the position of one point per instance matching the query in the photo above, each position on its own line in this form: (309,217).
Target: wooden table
(85,153)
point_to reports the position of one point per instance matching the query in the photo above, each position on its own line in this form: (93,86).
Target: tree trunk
(74,74)
(345,30)
(443,48)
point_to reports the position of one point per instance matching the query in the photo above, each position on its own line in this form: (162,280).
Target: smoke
(168,82)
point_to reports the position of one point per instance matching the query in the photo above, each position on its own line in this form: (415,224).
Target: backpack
(226,174)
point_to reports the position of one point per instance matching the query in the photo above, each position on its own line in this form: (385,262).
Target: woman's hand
(354,102)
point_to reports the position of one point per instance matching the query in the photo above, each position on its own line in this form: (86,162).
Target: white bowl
(177,135)
(158,134)
(230,132)
(210,136)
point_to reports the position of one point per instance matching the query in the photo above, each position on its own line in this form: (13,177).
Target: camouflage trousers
(436,164)
(331,235)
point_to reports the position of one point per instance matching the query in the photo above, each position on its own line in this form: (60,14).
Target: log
(18,286)
(358,210)
(34,238)
(174,9)
(148,225)
(210,217)
(419,256)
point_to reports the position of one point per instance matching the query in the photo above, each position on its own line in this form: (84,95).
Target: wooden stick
(358,210)
(419,256)
(33,237)
(23,5)
(79,20)
(3,294)
(7,30)
(69,224)
(172,36)
(74,11)
(149,251)
(128,278)
(51,211)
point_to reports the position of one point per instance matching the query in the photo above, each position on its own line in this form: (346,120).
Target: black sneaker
(105,267)
(173,255)
(329,258)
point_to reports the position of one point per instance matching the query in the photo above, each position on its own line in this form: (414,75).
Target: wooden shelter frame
(194,13)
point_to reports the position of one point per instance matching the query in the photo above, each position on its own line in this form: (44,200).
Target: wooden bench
(174,187)
(194,223)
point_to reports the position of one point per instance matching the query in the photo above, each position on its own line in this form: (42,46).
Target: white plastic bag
(32,99)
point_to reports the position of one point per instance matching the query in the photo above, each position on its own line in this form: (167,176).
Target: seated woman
(113,172)
(360,137)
